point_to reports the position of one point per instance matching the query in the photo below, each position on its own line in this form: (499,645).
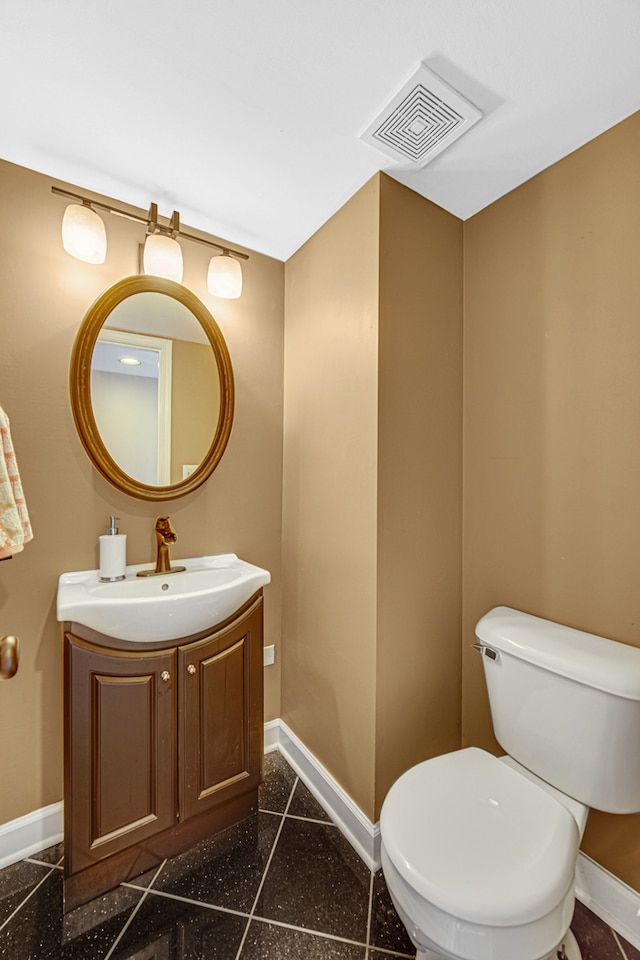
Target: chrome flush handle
(486,651)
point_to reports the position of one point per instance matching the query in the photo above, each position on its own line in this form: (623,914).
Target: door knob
(165,675)
(9,656)
(191,669)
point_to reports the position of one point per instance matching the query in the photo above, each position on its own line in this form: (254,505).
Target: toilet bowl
(479,860)
(479,852)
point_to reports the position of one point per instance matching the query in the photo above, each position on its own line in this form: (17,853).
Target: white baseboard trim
(607,896)
(363,835)
(30,834)
(271,735)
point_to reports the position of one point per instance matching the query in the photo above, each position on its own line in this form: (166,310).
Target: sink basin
(164,607)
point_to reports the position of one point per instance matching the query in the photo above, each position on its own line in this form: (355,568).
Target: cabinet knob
(191,669)
(165,675)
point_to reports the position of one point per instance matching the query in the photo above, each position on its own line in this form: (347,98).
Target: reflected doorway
(131,398)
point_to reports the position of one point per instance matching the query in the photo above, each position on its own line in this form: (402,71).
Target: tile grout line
(366,955)
(44,863)
(268,920)
(323,823)
(259,891)
(189,900)
(134,912)
(617,940)
(295,816)
(323,935)
(28,896)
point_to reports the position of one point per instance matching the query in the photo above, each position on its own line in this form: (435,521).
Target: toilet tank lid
(606,665)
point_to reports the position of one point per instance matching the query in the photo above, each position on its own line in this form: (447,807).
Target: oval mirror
(152,389)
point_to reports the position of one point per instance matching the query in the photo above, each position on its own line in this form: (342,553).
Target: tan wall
(552,418)
(45,294)
(195,387)
(419,483)
(372,489)
(329,499)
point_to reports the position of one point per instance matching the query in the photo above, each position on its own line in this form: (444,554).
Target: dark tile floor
(283,885)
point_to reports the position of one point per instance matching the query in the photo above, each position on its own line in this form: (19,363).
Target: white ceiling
(245,115)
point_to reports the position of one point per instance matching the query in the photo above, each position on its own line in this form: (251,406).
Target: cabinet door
(220,719)
(120,779)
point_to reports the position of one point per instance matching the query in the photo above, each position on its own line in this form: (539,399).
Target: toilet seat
(478,840)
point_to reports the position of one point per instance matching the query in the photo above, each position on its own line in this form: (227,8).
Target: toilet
(479,852)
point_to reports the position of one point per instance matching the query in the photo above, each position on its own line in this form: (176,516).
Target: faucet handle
(164,536)
(164,530)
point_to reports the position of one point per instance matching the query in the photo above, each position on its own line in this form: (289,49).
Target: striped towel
(15,528)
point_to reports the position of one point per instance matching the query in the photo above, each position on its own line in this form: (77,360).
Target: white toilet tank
(566,705)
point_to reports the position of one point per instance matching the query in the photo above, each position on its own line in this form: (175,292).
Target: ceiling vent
(424,117)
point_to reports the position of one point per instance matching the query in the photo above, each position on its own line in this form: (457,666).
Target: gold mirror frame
(80,387)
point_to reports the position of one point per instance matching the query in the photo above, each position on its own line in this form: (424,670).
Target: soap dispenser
(113,553)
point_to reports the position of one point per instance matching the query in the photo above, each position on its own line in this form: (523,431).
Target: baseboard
(30,834)
(363,835)
(607,896)
(272,735)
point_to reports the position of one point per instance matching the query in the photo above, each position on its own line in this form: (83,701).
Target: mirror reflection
(153,373)
(152,388)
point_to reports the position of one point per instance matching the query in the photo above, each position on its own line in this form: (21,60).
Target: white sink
(163,607)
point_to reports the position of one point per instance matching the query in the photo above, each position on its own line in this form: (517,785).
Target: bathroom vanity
(163,745)
(163,666)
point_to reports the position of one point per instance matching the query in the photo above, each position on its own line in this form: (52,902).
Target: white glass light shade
(83,234)
(162,257)
(225,277)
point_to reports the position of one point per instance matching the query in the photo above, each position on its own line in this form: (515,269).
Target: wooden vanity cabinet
(163,746)
(218,723)
(122,739)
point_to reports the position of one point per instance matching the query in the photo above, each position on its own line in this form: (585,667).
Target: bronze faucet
(164,536)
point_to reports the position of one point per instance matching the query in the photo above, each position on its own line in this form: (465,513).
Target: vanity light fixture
(224,278)
(162,257)
(162,254)
(83,233)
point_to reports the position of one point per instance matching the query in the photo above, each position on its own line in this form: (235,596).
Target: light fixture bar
(147,219)
(218,246)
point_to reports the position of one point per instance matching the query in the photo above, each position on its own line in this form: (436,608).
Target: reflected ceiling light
(130,361)
(224,278)
(162,254)
(83,233)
